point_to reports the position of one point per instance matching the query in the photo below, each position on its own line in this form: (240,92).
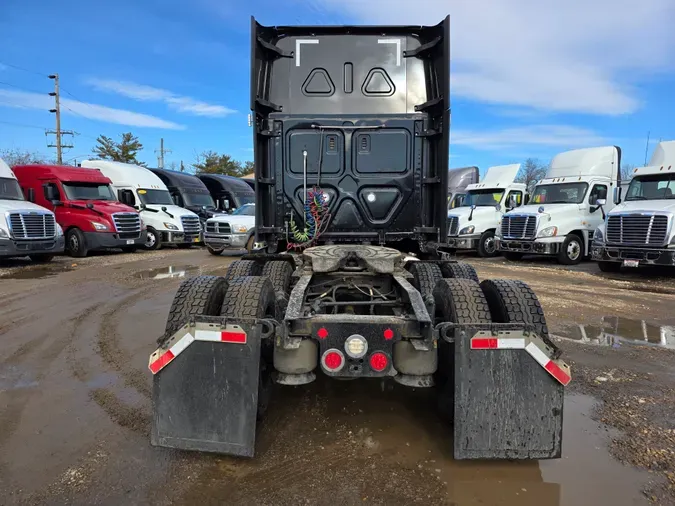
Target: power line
(21,87)
(24,69)
(23,125)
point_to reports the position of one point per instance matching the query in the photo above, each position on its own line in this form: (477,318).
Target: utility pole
(161,151)
(58,132)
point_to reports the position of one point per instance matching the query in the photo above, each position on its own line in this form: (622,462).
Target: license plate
(130,241)
(631,263)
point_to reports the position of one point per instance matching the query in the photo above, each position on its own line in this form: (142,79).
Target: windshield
(247,210)
(246,198)
(483,198)
(159,197)
(10,189)
(88,191)
(198,199)
(653,187)
(564,193)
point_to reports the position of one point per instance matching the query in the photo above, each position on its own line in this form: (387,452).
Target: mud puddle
(180,271)
(615,330)
(36,272)
(365,444)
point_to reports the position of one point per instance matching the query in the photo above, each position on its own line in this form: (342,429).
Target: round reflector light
(322,333)
(333,360)
(388,334)
(356,346)
(379,361)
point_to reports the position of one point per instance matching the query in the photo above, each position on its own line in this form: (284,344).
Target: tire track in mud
(110,350)
(10,416)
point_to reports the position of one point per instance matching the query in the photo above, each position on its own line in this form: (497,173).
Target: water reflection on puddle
(615,330)
(179,271)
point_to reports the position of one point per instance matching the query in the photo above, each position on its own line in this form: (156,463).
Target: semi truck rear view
(351,129)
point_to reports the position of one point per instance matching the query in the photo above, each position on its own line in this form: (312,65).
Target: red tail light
(379,361)
(322,333)
(333,360)
(389,334)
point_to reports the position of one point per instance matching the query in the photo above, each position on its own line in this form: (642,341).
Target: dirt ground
(75,404)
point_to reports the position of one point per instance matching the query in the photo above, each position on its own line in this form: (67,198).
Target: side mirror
(513,202)
(601,202)
(164,208)
(89,205)
(31,195)
(593,199)
(498,207)
(474,206)
(226,204)
(617,195)
(56,202)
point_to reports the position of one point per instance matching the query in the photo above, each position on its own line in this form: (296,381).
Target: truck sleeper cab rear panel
(85,207)
(25,228)
(371,133)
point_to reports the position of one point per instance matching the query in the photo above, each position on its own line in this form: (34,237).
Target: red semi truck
(85,207)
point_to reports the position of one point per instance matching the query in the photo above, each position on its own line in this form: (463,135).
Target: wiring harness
(317,219)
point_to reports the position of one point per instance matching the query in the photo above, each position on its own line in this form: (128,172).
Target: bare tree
(15,156)
(531,171)
(627,171)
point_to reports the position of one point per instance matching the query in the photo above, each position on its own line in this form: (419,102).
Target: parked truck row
(101,204)
(581,209)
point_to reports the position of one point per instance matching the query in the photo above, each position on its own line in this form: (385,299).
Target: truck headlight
(242,229)
(548,232)
(59,231)
(467,230)
(4,234)
(143,225)
(170,226)
(99,226)
(597,236)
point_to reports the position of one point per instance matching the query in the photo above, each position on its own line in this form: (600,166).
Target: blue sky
(529,77)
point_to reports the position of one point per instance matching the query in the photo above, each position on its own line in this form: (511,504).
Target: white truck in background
(26,229)
(565,207)
(139,188)
(639,231)
(473,224)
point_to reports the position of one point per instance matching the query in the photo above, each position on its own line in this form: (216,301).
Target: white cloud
(560,136)
(145,93)
(572,56)
(25,100)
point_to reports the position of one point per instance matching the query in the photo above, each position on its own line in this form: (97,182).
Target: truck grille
(128,225)
(519,227)
(453,224)
(637,229)
(218,228)
(191,224)
(32,225)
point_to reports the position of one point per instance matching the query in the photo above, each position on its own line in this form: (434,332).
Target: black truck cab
(189,192)
(228,192)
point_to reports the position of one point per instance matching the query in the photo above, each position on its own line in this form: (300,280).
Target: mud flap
(508,404)
(205,396)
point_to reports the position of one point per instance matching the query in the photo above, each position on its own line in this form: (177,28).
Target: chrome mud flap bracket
(509,386)
(205,387)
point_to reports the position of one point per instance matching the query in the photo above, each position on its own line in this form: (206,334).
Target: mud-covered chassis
(349,312)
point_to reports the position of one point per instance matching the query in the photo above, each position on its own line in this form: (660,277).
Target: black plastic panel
(363,107)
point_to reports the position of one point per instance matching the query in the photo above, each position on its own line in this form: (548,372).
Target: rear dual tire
(465,301)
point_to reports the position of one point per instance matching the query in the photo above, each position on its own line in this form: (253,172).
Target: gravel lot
(75,401)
